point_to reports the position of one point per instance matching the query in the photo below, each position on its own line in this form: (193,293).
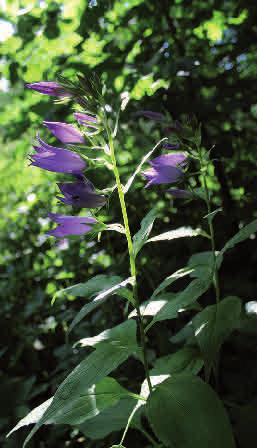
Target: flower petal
(66,133)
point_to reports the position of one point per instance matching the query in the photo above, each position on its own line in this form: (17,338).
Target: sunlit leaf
(182,232)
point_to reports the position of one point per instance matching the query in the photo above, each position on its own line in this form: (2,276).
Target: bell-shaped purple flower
(175,159)
(70,225)
(86,120)
(66,133)
(58,160)
(165,169)
(80,194)
(48,88)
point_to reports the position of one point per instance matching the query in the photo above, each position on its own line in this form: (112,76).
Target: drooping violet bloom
(156,116)
(175,159)
(58,160)
(86,120)
(48,88)
(70,225)
(66,133)
(80,194)
(178,193)
(173,146)
(165,169)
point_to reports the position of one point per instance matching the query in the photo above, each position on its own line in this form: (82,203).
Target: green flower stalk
(133,270)
(203,167)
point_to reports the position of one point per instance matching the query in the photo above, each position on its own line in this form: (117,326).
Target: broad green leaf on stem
(213,325)
(111,419)
(158,299)
(185,360)
(114,336)
(96,398)
(94,285)
(182,232)
(33,417)
(182,299)
(188,359)
(240,236)
(171,279)
(69,404)
(153,306)
(185,412)
(140,238)
(138,169)
(184,334)
(202,264)
(99,299)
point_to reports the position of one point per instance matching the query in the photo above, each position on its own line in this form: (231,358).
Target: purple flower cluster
(80,193)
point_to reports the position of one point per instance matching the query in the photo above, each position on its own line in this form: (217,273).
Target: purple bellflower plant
(65,132)
(129,338)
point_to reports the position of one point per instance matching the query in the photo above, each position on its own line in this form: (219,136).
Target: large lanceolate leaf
(114,336)
(93,286)
(159,299)
(185,412)
(188,359)
(171,279)
(98,300)
(182,232)
(202,264)
(111,419)
(33,417)
(182,299)
(140,238)
(213,325)
(73,402)
(97,398)
(152,307)
(240,236)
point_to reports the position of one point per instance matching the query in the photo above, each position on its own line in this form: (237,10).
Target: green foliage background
(177,57)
